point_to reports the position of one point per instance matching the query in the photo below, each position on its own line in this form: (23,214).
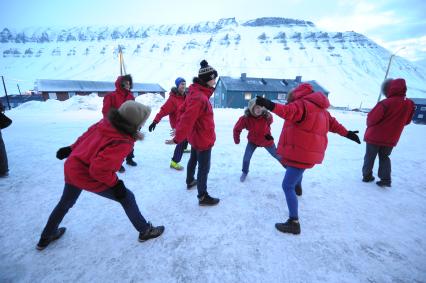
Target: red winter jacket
(116,98)
(171,108)
(387,119)
(257,128)
(196,121)
(96,157)
(303,139)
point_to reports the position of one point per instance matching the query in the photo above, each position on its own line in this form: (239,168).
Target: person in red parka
(91,165)
(257,120)
(303,141)
(122,93)
(385,123)
(197,125)
(172,108)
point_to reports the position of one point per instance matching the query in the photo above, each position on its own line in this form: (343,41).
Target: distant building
(420,112)
(236,92)
(64,89)
(16,100)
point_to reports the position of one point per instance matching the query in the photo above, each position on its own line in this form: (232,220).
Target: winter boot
(368,179)
(151,232)
(187,150)
(298,190)
(291,226)
(243,177)
(122,169)
(44,242)
(131,162)
(192,184)
(175,165)
(207,200)
(383,184)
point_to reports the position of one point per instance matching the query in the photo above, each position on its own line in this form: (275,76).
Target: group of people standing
(96,156)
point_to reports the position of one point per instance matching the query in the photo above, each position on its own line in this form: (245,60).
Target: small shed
(420,110)
(236,92)
(64,89)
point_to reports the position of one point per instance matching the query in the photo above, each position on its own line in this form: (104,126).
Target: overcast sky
(392,23)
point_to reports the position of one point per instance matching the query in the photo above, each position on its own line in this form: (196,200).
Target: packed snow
(351,231)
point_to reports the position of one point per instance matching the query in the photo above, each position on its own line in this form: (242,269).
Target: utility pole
(387,71)
(5,92)
(120,56)
(19,89)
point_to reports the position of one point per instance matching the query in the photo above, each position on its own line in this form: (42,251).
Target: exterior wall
(420,114)
(240,99)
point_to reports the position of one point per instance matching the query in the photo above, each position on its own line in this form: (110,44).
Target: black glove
(268,137)
(63,152)
(265,103)
(119,190)
(152,126)
(352,135)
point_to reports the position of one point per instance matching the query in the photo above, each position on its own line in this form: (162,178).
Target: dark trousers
(131,155)
(384,152)
(4,166)
(70,196)
(250,148)
(203,160)
(293,176)
(177,155)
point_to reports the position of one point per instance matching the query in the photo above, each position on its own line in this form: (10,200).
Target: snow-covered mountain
(347,63)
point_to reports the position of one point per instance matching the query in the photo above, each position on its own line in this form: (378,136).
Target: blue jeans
(177,155)
(70,196)
(250,148)
(203,160)
(293,176)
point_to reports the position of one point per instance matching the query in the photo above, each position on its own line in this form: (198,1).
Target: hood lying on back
(397,87)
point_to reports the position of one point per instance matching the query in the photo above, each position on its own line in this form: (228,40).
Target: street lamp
(387,70)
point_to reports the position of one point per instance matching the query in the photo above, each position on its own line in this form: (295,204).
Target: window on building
(282,96)
(420,116)
(247,96)
(423,108)
(52,95)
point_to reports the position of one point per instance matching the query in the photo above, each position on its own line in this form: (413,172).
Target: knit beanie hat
(134,112)
(206,72)
(178,81)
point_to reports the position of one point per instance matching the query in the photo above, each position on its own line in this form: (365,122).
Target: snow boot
(151,232)
(383,184)
(122,169)
(192,184)
(44,242)
(243,177)
(291,226)
(207,200)
(298,190)
(175,165)
(368,179)
(131,162)
(187,150)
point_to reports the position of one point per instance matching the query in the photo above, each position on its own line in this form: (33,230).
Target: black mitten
(63,152)
(119,190)
(152,126)
(352,135)
(265,103)
(268,137)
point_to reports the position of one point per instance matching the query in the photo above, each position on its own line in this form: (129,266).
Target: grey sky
(392,23)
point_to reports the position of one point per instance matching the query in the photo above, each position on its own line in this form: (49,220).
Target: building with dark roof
(236,92)
(64,89)
(420,112)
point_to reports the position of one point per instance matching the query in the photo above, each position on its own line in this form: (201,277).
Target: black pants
(131,155)
(177,155)
(70,196)
(203,160)
(4,166)
(384,152)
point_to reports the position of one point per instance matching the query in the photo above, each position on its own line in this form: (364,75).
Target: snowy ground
(351,231)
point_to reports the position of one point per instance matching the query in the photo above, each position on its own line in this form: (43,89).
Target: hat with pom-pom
(206,72)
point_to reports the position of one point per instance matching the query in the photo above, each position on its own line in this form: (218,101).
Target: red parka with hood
(196,121)
(171,108)
(257,127)
(303,139)
(117,97)
(387,119)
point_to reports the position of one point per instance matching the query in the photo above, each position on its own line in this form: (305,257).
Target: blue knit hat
(178,81)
